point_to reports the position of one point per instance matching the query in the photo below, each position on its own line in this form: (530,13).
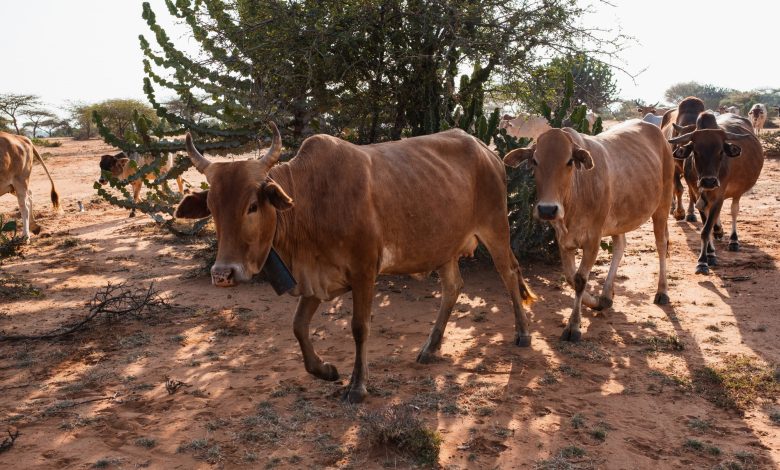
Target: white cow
(757,115)
(525,125)
(653,119)
(590,116)
(729,109)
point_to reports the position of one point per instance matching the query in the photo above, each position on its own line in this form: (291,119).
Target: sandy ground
(627,396)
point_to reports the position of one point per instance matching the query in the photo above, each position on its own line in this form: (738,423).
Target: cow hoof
(679,215)
(718,234)
(604,303)
(712,260)
(571,335)
(733,246)
(425,357)
(355,395)
(522,341)
(132,214)
(327,372)
(702,268)
(661,299)
(690,218)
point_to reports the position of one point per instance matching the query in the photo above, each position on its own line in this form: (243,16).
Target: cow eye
(252,208)
(570,162)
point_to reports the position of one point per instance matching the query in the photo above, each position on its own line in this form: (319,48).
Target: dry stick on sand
(9,441)
(112,301)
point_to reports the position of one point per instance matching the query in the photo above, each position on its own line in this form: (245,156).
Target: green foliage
(45,143)
(710,94)
(9,243)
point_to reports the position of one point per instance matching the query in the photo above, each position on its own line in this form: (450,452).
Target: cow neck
(282,175)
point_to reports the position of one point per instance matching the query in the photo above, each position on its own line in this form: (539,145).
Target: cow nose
(547,211)
(222,276)
(709,183)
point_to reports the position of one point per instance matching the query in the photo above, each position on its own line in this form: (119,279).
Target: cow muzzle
(709,183)
(548,211)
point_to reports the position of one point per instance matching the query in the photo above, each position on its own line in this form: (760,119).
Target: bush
(771,143)
(45,143)
(400,426)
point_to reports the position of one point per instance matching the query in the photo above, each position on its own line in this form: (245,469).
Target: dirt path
(634,394)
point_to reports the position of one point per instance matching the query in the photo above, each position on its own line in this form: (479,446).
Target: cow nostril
(547,211)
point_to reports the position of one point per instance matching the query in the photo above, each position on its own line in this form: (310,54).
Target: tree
(36,116)
(594,83)
(13,104)
(50,125)
(369,71)
(710,94)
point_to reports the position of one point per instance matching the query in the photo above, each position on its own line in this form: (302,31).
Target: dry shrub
(400,427)
(738,382)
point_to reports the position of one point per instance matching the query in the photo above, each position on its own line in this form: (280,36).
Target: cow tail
(55,198)
(526,293)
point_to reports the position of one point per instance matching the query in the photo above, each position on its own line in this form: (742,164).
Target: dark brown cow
(339,215)
(675,121)
(718,169)
(590,187)
(120,168)
(16,162)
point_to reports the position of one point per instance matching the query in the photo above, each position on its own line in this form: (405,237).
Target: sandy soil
(628,395)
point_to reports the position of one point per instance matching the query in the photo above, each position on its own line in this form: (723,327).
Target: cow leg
(691,213)
(590,251)
(677,202)
(569,268)
(608,291)
(24,198)
(451,285)
(661,232)
(734,240)
(136,193)
(497,243)
(362,298)
(707,257)
(717,229)
(180,184)
(313,363)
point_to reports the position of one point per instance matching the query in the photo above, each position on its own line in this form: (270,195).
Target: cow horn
(683,139)
(200,162)
(272,156)
(683,129)
(733,136)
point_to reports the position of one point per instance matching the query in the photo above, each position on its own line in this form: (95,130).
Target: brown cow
(715,178)
(340,214)
(16,162)
(590,187)
(675,121)
(119,166)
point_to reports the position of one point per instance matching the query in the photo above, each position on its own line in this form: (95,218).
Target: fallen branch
(8,442)
(112,301)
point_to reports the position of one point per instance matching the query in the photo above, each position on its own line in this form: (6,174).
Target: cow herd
(339,214)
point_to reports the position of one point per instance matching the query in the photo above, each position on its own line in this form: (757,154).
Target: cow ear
(682,152)
(122,162)
(518,156)
(582,158)
(732,150)
(276,196)
(193,206)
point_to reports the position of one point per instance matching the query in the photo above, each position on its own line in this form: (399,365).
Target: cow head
(645,109)
(244,201)
(114,164)
(708,146)
(554,159)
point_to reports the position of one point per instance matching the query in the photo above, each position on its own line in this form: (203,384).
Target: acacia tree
(13,105)
(710,94)
(369,71)
(36,117)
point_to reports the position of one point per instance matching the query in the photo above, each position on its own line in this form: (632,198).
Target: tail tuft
(55,199)
(527,294)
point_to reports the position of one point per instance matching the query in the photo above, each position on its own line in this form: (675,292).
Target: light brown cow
(653,109)
(16,162)
(589,187)
(716,174)
(120,168)
(339,215)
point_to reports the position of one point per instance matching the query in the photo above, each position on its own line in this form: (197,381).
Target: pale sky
(87,50)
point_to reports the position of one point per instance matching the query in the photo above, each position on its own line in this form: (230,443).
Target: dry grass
(399,427)
(738,382)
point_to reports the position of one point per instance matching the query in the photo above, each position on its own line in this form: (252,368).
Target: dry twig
(8,442)
(113,301)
